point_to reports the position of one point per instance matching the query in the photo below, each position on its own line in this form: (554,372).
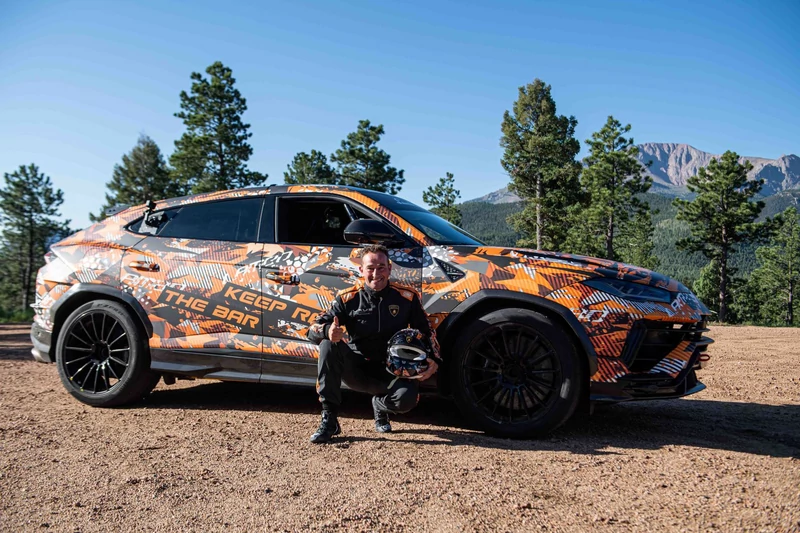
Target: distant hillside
(487,221)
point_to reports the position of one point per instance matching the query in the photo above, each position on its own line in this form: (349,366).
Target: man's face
(375,269)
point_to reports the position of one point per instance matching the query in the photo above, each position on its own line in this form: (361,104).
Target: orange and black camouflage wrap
(223,295)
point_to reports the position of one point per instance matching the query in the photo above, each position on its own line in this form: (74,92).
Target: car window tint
(233,220)
(314,220)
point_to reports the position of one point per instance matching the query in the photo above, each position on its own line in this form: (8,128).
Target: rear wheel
(516,373)
(102,358)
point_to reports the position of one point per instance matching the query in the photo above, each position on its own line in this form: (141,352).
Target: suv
(225,285)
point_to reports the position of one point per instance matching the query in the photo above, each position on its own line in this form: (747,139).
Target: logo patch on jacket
(394,309)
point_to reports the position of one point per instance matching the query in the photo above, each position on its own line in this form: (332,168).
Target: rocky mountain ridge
(674,163)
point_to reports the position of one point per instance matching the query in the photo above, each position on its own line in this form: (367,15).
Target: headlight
(630,291)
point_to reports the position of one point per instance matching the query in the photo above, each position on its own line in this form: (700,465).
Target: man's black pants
(339,362)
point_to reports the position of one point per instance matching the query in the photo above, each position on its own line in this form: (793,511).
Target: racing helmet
(407,354)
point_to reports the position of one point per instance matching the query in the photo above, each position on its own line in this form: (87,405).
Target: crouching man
(372,311)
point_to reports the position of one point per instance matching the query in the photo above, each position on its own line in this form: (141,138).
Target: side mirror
(369,231)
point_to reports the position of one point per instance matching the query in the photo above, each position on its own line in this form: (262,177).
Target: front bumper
(41,339)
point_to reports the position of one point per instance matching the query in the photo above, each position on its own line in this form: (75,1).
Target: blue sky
(81,80)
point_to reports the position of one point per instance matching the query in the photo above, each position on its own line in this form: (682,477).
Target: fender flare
(530,301)
(84,289)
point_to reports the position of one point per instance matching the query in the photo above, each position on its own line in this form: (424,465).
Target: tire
(516,373)
(102,357)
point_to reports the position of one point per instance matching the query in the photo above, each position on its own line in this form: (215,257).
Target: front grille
(650,341)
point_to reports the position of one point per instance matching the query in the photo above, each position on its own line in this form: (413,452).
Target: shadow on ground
(760,429)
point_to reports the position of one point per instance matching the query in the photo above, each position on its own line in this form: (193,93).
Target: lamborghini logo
(394,309)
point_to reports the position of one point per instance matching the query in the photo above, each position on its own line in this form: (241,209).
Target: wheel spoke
(492,391)
(88,335)
(94,325)
(478,368)
(103,328)
(532,394)
(111,369)
(524,403)
(111,331)
(106,384)
(498,401)
(536,372)
(489,342)
(115,340)
(78,349)
(72,377)
(490,359)
(81,340)
(474,383)
(538,387)
(76,360)
(505,342)
(96,375)
(550,385)
(119,350)
(541,358)
(118,361)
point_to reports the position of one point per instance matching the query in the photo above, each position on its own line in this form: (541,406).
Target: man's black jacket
(372,317)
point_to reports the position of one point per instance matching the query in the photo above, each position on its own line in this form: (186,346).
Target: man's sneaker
(382,424)
(327,428)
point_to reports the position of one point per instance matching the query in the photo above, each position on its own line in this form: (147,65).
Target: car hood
(578,264)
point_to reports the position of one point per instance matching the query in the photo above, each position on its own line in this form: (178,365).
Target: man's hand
(335,332)
(432,368)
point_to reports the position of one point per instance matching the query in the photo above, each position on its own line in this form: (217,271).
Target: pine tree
(310,168)
(442,198)
(142,175)
(721,216)
(28,207)
(778,277)
(610,182)
(212,154)
(635,242)
(360,163)
(539,156)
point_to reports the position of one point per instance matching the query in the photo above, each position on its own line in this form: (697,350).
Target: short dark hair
(375,249)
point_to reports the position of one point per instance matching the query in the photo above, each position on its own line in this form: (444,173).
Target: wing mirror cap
(369,231)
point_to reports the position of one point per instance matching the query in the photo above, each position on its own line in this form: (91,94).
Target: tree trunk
(790,308)
(723,285)
(610,238)
(26,281)
(539,194)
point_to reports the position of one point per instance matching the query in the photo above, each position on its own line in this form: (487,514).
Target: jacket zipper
(380,304)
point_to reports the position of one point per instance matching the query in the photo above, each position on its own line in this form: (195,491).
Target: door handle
(283,277)
(145,266)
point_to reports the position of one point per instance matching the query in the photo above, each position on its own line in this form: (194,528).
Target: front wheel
(102,358)
(516,373)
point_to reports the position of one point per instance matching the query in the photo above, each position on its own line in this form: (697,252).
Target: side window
(308,220)
(232,220)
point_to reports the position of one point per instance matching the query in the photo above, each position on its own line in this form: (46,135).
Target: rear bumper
(41,340)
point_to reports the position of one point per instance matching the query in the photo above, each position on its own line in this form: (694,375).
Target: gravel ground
(209,456)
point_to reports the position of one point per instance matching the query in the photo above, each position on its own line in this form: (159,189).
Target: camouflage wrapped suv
(225,286)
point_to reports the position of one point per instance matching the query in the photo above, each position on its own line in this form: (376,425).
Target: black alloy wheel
(97,352)
(101,355)
(512,373)
(517,373)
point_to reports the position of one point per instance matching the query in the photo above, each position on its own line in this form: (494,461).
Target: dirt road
(208,456)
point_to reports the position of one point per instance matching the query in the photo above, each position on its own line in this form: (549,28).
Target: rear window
(232,220)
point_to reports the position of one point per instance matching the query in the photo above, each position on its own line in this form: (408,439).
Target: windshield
(437,228)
